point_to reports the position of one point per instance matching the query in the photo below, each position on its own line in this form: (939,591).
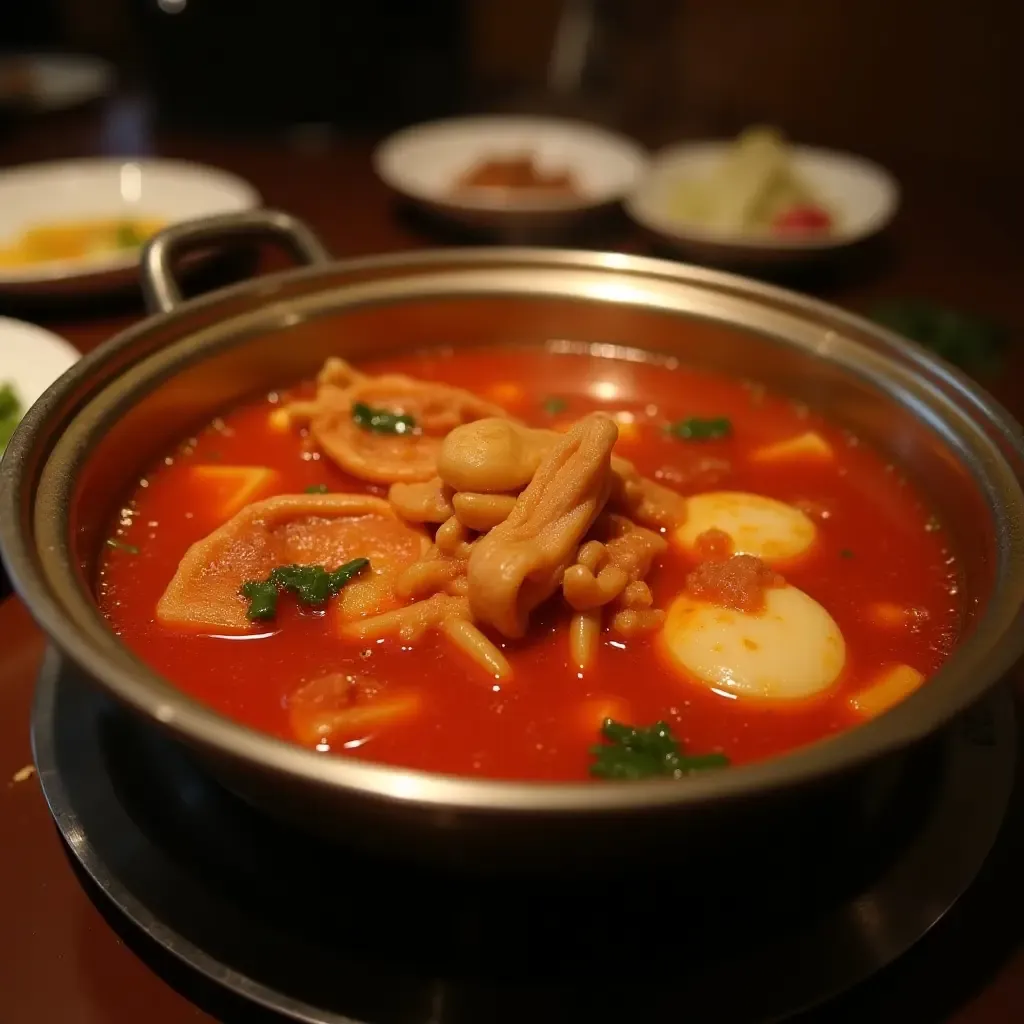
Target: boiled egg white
(789,651)
(759,526)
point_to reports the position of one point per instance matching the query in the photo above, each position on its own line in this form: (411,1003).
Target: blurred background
(292,94)
(898,80)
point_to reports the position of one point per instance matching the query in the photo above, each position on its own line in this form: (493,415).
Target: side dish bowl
(425,163)
(863,197)
(84,443)
(63,198)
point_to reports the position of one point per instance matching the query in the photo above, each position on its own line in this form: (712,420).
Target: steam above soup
(529,564)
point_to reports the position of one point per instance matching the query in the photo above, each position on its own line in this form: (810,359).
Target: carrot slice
(321,713)
(810,445)
(506,393)
(279,421)
(229,489)
(888,615)
(894,685)
(629,429)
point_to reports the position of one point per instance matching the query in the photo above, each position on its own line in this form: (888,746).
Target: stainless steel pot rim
(134,684)
(645,266)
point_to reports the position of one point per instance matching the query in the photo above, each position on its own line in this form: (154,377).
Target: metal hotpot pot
(83,445)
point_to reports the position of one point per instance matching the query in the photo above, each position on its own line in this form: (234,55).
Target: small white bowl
(71,190)
(425,162)
(863,196)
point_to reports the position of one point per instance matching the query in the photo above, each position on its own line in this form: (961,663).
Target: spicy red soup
(513,563)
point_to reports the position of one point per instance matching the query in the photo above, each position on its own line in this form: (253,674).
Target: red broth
(877,542)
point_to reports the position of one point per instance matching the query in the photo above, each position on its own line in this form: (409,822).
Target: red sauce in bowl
(877,547)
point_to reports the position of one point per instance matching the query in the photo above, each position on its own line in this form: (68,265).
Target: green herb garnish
(642,752)
(10,414)
(695,429)
(554,405)
(119,545)
(972,343)
(845,553)
(262,598)
(312,585)
(380,421)
(317,489)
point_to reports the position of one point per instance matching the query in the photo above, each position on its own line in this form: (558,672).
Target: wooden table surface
(956,239)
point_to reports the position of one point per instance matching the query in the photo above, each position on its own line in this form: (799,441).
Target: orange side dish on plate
(76,239)
(514,174)
(533,564)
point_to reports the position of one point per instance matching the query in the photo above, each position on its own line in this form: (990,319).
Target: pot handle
(159,286)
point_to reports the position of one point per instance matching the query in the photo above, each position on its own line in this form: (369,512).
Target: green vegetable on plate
(128,236)
(10,413)
(755,188)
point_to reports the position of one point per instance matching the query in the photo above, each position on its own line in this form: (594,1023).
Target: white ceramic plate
(425,162)
(31,359)
(53,81)
(863,195)
(168,190)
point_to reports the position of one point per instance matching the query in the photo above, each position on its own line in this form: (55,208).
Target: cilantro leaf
(262,598)
(312,586)
(380,421)
(696,429)
(643,752)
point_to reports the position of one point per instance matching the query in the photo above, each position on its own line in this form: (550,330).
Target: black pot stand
(238,911)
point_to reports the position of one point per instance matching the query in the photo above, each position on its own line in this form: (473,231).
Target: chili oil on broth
(879,566)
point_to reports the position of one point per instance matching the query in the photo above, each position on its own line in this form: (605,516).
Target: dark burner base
(321,935)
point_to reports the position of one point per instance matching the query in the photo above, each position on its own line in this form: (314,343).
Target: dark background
(903,81)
